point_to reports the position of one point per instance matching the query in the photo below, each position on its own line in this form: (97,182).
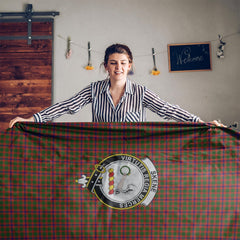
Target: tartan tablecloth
(119,181)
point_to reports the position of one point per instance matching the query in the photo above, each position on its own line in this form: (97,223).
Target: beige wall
(143,24)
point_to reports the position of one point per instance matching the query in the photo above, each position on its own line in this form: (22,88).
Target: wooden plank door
(25,70)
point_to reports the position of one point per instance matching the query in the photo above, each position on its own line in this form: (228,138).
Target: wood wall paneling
(25,71)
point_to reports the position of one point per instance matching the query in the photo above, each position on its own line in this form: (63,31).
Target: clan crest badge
(122,181)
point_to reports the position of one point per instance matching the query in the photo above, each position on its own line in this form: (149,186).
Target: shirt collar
(127,90)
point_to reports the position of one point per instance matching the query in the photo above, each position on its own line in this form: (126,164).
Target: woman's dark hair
(117,48)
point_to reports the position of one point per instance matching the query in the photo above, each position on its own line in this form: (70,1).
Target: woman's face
(118,66)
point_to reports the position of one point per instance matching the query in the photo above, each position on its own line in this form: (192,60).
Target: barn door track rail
(28,16)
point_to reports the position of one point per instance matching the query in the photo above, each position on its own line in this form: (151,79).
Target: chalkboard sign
(189,57)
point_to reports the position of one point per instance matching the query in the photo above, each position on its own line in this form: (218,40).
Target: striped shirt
(131,107)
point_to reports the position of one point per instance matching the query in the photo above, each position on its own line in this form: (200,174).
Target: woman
(115,99)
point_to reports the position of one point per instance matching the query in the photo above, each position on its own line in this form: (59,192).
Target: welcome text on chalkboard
(189,57)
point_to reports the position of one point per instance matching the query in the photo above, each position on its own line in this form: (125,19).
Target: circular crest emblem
(123,181)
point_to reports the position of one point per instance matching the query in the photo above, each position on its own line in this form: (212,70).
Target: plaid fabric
(198,195)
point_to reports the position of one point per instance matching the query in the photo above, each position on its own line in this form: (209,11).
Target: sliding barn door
(25,69)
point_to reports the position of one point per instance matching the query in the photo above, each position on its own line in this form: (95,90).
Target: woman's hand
(215,122)
(19,119)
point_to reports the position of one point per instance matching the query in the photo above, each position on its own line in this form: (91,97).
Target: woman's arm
(69,106)
(166,110)
(169,111)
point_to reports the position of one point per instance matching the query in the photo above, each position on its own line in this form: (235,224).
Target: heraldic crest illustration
(122,181)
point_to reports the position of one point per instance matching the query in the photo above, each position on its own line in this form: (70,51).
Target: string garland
(155,71)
